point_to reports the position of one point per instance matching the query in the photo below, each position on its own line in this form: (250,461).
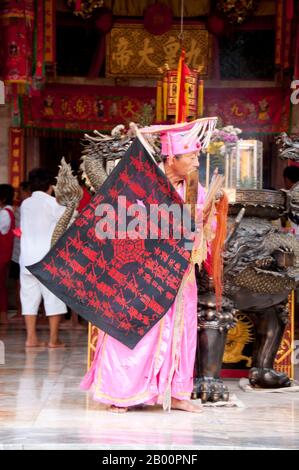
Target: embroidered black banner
(122,285)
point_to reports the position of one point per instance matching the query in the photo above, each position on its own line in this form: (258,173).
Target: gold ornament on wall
(84,8)
(237,338)
(236,11)
(133,52)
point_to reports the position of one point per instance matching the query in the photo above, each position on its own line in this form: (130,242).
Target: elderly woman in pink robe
(159,370)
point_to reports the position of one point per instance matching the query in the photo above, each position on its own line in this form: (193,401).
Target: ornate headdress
(178,139)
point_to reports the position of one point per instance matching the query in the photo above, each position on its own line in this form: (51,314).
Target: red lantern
(216,25)
(104,20)
(157,19)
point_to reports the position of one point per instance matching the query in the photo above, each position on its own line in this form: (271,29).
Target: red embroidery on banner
(77,267)
(67,282)
(121,300)
(94,302)
(51,268)
(128,251)
(101,262)
(117,276)
(136,162)
(106,290)
(125,177)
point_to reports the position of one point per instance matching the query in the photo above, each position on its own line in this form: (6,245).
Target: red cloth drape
(17,28)
(182,74)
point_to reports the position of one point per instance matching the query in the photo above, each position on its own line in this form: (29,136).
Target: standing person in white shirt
(7,225)
(39,216)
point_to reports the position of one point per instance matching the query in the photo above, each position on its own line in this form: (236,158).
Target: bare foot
(57,344)
(35,344)
(185,405)
(117,409)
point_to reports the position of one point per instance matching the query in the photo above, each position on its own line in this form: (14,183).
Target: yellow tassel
(187,99)
(165,97)
(159,116)
(200,99)
(178,87)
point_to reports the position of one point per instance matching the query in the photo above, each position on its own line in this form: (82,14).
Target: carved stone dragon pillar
(212,329)
(261,267)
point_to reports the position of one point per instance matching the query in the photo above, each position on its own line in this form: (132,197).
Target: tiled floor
(42,407)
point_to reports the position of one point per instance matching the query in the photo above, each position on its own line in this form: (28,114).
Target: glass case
(240,162)
(246,165)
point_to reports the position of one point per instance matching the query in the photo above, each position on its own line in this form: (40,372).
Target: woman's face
(185,164)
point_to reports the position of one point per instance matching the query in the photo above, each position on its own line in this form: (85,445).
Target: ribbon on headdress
(182,89)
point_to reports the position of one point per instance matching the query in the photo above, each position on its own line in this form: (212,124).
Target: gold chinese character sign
(133,52)
(16,156)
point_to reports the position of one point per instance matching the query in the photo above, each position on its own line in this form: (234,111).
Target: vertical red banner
(17,25)
(287,43)
(279,32)
(39,42)
(16,156)
(50,31)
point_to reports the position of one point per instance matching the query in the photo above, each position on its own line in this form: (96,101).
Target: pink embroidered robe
(123,377)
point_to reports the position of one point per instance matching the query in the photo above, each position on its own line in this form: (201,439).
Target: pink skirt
(124,377)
